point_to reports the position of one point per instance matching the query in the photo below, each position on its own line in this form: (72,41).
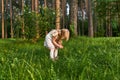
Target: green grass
(81,59)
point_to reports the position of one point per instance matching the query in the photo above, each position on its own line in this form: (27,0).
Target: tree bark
(108,25)
(74,15)
(57,14)
(33,5)
(3,34)
(108,21)
(0,6)
(63,4)
(90,20)
(37,26)
(6,7)
(11,25)
(23,31)
(95,20)
(86,6)
(45,4)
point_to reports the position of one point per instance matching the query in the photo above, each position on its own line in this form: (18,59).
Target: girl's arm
(55,43)
(59,42)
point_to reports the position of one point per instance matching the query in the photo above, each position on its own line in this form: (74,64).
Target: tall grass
(81,59)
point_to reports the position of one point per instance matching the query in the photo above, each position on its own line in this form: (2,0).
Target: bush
(45,20)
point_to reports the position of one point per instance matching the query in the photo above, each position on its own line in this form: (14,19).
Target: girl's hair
(65,34)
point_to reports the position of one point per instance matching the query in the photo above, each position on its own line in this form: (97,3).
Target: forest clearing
(82,37)
(82,58)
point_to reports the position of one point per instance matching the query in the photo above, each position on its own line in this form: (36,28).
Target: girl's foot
(56,58)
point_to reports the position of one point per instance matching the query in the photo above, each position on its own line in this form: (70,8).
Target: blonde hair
(64,34)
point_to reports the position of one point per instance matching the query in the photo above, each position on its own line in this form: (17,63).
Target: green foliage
(106,0)
(105,9)
(114,23)
(30,19)
(100,31)
(72,30)
(17,26)
(44,20)
(85,27)
(115,27)
(87,59)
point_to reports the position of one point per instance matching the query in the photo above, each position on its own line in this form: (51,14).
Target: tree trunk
(57,14)
(23,31)
(108,26)
(0,6)
(6,19)
(108,22)
(11,25)
(45,4)
(37,26)
(33,5)
(3,20)
(73,16)
(118,16)
(36,6)
(86,6)
(95,19)
(63,4)
(90,20)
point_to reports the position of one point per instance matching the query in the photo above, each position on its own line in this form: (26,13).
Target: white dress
(48,39)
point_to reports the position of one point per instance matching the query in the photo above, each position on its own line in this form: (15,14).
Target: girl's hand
(61,46)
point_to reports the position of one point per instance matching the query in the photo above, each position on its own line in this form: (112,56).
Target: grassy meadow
(81,59)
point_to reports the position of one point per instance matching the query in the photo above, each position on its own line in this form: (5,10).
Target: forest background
(29,19)
(92,53)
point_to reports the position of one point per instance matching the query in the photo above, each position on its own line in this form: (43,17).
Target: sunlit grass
(81,59)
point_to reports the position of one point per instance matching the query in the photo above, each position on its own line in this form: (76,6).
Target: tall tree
(108,21)
(57,14)
(11,21)
(86,6)
(0,6)
(90,20)
(45,4)
(33,5)
(37,26)
(6,9)
(3,35)
(63,4)
(36,6)
(23,31)
(95,18)
(74,16)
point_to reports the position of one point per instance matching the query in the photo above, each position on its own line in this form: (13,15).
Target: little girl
(53,41)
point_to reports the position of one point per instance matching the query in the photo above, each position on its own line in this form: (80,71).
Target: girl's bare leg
(56,53)
(52,54)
